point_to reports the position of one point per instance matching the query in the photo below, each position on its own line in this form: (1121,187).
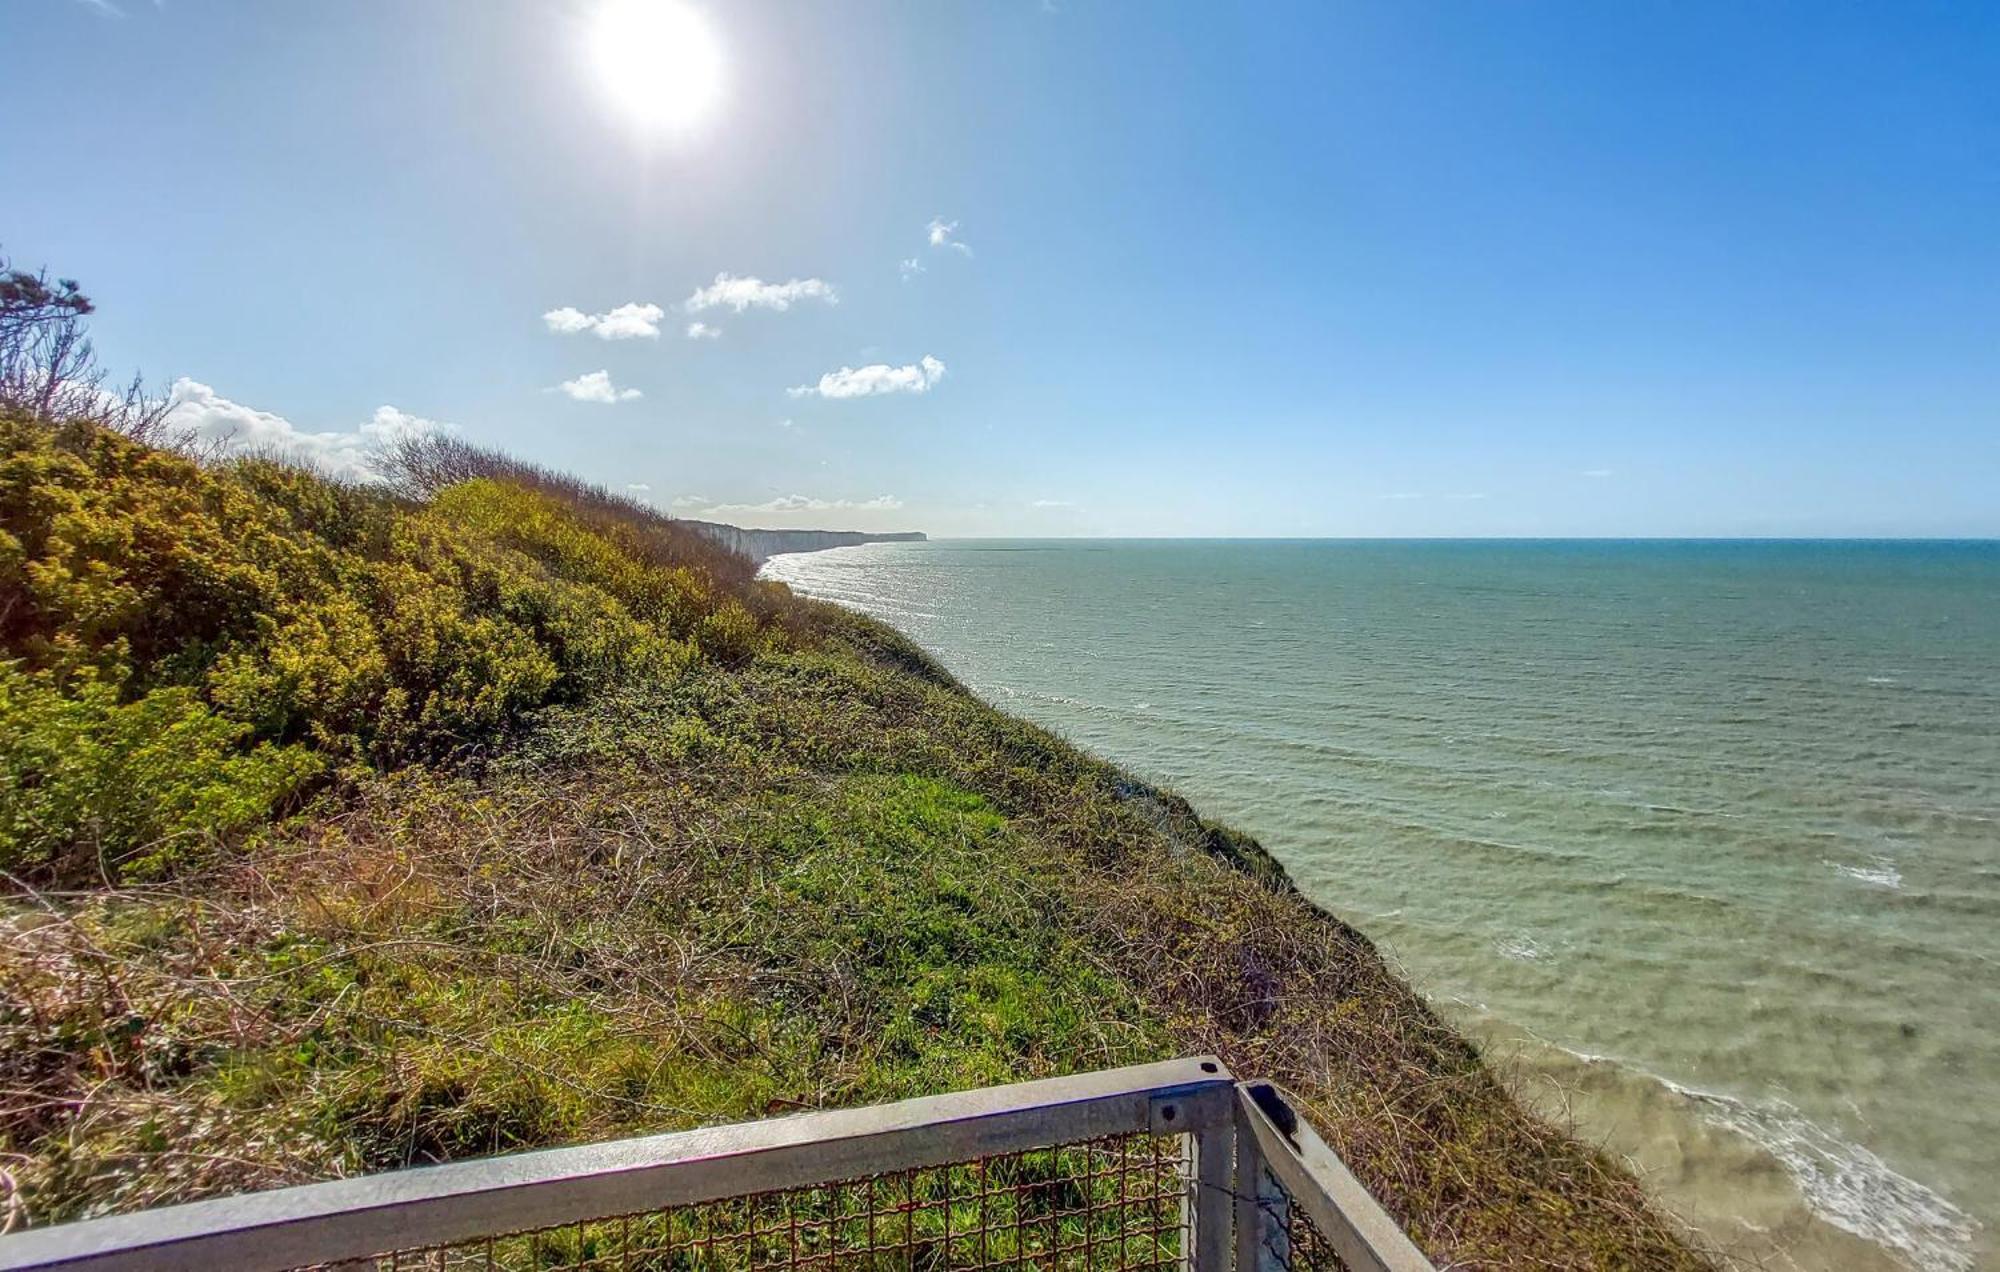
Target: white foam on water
(1883,874)
(1848,1186)
(1521,947)
(1840,1181)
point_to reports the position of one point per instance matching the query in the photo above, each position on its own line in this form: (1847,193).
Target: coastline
(1760,1182)
(759,546)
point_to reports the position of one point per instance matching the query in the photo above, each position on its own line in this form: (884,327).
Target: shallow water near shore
(1702,839)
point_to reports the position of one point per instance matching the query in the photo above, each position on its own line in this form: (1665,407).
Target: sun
(656,60)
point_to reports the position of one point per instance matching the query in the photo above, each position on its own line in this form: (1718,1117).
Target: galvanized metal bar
(1318,1183)
(1251,1181)
(1211,1198)
(355,1218)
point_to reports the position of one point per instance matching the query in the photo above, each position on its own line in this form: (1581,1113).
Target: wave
(1883,874)
(1848,1186)
(1841,1182)
(1522,948)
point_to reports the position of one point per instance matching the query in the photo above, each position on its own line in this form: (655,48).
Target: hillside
(354,827)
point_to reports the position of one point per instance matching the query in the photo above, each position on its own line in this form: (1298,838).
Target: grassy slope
(773,859)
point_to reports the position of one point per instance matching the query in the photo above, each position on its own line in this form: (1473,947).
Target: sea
(1700,839)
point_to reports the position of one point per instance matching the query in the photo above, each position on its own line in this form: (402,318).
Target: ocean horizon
(1699,836)
(1715,539)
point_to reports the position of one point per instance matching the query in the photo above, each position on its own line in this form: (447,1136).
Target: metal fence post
(1249,1218)
(1209,1184)
(1263,1212)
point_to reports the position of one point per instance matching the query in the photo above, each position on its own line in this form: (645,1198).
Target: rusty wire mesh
(1114,1203)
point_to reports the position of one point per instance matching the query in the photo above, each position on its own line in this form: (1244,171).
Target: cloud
(785,504)
(740,294)
(939,234)
(1596,472)
(639,487)
(1052,503)
(702,331)
(879,377)
(909,267)
(567,321)
(596,386)
(628,321)
(234,429)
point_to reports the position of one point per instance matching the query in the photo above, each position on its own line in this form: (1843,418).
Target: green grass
(590,835)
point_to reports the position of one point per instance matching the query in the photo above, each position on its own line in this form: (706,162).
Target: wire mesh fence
(1168,1165)
(1288,1240)
(1114,1203)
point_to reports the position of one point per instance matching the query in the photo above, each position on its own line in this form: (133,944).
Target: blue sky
(1314,269)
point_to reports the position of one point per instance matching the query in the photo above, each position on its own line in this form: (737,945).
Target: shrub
(729,635)
(138,786)
(281,607)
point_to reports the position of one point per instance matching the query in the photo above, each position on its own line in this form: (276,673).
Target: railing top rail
(354,1218)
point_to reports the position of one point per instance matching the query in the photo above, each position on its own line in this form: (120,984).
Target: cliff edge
(761,545)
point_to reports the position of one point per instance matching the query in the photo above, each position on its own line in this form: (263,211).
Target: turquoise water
(1703,838)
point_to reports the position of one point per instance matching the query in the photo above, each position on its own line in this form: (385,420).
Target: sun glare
(656,60)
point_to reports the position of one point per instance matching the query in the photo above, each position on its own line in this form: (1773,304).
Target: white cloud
(740,294)
(909,267)
(702,331)
(805,503)
(596,386)
(639,487)
(940,232)
(784,505)
(1052,503)
(389,423)
(1597,472)
(628,321)
(852,382)
(232,428)
(568,321)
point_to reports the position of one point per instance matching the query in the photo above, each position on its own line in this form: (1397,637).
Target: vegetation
(351,827)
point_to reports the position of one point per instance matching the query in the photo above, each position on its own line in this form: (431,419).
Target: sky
(1024,268)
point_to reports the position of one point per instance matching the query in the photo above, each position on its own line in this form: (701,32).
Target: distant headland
(761,545)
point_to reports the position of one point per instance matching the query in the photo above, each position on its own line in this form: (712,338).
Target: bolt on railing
(1162,1166)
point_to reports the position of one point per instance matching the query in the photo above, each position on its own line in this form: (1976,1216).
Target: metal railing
(1168,1166)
